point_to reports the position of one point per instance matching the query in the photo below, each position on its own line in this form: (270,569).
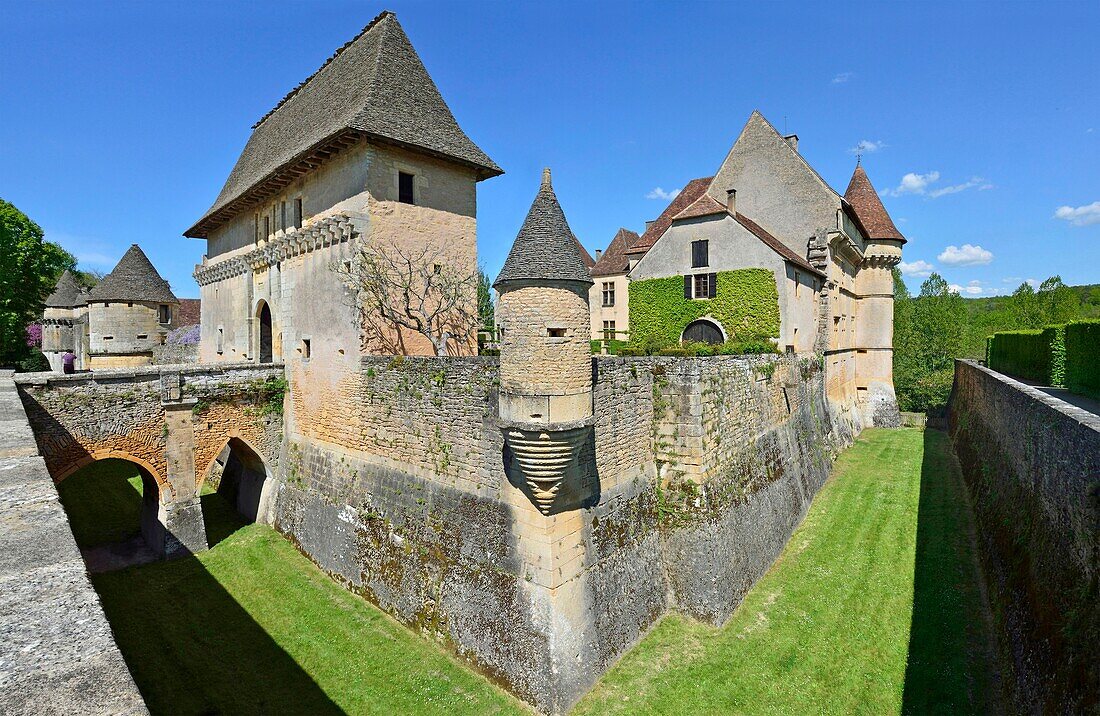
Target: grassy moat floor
(874,607)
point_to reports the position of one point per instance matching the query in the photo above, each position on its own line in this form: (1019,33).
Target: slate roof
(614,260)
(687,196)
(586,257)
(868,208)
(545,248)
(376,85)
(67,293)
(133,279)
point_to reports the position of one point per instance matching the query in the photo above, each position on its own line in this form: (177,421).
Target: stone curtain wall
(175,354)
(401,492)
(1032,466)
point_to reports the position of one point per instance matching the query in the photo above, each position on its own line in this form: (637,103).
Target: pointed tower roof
(374,86)
(544,249)
(864,200)
(67,293)
(134,279)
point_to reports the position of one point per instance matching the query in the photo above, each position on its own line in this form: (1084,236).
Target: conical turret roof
(67,293)
(868,207)
(545,249)
(134,279)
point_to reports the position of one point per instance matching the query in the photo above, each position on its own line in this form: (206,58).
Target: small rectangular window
(306,350)
(165,314)
(704,285)
(556,332)
(609,330)
(608,293)
(700,253)
(298,213)
(142,336)
(405,188)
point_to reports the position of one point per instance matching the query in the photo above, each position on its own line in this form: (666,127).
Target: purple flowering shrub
(185,336)
(34,335)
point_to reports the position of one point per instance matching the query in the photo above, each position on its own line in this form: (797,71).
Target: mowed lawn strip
(252,626)
(827,630)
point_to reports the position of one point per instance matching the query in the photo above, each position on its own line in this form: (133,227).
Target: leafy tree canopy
(29,269)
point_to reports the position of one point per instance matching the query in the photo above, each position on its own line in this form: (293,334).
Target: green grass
(872,608)
(251,627)
(103,502)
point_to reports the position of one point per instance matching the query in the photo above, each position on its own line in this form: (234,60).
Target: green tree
(1058,302)
(1025,308)
(929,333)
(485,308)
(29,269)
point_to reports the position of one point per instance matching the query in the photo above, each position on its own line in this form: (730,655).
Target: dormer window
(405,188)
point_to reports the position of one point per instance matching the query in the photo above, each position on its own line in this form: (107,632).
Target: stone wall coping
(374,360)
(1079,415)
(151,371)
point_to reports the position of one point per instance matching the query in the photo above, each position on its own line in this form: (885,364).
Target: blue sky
(120,121)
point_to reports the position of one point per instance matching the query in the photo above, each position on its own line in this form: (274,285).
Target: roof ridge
(287,97)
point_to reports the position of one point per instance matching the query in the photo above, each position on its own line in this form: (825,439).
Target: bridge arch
(243,475)
(164,488)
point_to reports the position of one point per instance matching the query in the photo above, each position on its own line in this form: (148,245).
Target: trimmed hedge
(746,303)
(1038,355)
(1083,357)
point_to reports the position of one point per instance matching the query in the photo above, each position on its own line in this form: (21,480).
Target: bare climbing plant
(422,288)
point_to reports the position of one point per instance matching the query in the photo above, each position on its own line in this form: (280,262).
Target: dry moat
(875,606)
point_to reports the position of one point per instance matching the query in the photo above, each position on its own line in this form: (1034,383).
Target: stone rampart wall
(409,503)
(1032,466)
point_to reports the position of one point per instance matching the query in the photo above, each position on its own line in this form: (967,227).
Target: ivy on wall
(746,303)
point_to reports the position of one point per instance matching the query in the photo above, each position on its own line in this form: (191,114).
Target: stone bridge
(180,425)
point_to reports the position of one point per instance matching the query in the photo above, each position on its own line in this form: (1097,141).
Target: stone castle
(535,513)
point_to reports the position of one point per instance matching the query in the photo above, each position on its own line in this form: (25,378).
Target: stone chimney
(599,253)
(650,223)
(731,201)
(792,139)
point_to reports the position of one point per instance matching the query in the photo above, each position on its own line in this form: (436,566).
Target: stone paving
(57,652)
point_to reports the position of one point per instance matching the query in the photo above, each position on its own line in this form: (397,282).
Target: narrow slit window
(556,332)
(282,216)
(306,348)
(298,213)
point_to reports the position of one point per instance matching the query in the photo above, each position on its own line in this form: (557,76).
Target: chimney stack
(731,201)
(599,253)
(792,139)
(650,223)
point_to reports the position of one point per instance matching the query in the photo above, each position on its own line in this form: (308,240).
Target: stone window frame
(164,314)
(609,330)
(305,347)
(607,294)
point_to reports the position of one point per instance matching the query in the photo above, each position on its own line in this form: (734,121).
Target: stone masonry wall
(1032,466)
(408,502)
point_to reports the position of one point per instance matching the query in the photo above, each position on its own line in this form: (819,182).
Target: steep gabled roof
(374,86)
(614,260)
(687,196)
(67,293)
(133,279)
(545,248)
(703,206)
(776,245)
(868,208)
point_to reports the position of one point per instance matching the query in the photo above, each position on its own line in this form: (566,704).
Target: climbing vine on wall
(746,304)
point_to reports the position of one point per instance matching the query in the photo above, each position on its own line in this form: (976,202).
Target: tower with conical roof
(129,313)
(63,320)
(875,285)
(545,355)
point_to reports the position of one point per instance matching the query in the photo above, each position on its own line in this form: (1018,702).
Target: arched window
(265,351)
(703,331)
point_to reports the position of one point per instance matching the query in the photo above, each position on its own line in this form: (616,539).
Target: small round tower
(61,320)
(545,354)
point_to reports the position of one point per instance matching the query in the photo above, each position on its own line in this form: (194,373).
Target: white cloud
(1081,215)
(917,269)
(974,288)
(981,184)
(842,77)
(913,183)
(1033,282)
(659,193)
(968,255)
(867,146)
